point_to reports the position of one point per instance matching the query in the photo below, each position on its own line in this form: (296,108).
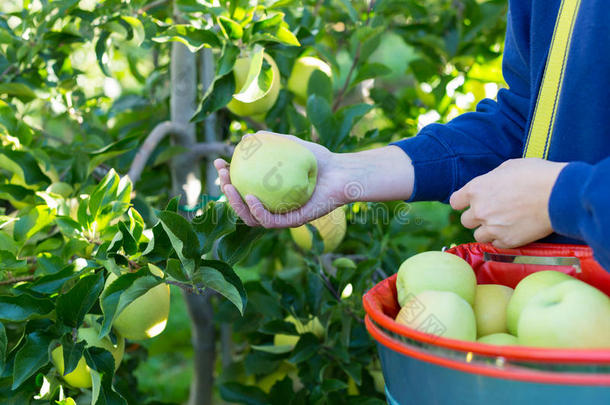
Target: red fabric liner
(381,304)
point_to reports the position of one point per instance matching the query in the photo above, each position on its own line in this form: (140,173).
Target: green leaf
(192,37)
(107,186)
(217,220)
(8,261)
(218,95)
(23,307)
(321,116)
(112,150)
(123,239)
(173,204)
(182,237)
(227,60)
(19,90)
(231,29)
(13,192)
(220,277)
(307,346)
(138,29)
(100,51)
(24,166)
(3,344)
(73,305)
(320,85)
(122,292)
(31,357)
(258,81)
(349,116)
(160,246)
(285,36)
(370,71)
(243,394)
(34,221)
(332,384)
(235,246)
(53,282)
(351,11)
(174,269)
(72,352)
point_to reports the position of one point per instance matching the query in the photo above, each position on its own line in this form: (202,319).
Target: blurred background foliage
(82,83)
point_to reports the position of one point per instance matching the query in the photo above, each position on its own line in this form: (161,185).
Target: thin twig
(16,280)
(204,149)
(151,6)
(154,138)
(348,79)
(193,289)
(7,70)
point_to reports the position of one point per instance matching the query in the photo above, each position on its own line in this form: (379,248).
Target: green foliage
(82,83)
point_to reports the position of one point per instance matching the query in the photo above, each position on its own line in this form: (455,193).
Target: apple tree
(110,115)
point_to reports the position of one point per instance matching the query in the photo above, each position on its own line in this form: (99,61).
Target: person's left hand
(509,205)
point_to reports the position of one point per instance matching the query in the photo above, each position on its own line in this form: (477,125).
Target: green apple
(500,339)
(301,72)
(281,172)
(490,308)
(331,227)
(313,325)
(570,314)
(258,108)
(525,290)
(146,316)
(285,369)
(439,313)
(80,377)
(435,271)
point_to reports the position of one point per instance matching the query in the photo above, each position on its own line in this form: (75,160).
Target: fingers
(268,219)
(483,235)
(460,199)
(220,164)
(239,206)
(469,220)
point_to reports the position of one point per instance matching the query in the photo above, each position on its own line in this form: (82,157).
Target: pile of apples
(439,295)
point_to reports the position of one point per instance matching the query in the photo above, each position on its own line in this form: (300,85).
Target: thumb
(460,199)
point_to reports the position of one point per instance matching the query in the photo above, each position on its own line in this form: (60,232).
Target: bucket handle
(534,260)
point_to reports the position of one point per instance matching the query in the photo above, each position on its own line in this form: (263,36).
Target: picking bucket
(421,368)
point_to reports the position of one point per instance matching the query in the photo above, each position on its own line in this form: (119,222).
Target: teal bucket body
(410,381)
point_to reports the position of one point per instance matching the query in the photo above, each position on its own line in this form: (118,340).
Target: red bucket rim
(551,355)
(519,374)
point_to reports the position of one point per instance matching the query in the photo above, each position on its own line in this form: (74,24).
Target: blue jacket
(447,156)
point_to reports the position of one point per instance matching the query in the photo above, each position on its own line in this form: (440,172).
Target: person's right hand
(328,194)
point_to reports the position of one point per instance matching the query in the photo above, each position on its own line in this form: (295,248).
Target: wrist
(383,174)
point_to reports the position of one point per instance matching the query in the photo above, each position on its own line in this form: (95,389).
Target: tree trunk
(186,181)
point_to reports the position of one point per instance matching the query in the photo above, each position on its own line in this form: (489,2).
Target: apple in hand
(500,339)
(280,172)
(331,227)
(301,73)
(525,290)
(490,308)
(434,270)
(571,314)
(439,313)
(258,108)
(80,377)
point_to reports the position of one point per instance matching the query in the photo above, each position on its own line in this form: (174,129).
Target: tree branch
(154,138)
(204,149)
(152,5)
(16,280)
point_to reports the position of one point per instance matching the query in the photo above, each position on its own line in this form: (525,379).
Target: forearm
(383,174)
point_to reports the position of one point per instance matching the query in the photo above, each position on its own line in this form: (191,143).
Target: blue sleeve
(445,157)
(579,203)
